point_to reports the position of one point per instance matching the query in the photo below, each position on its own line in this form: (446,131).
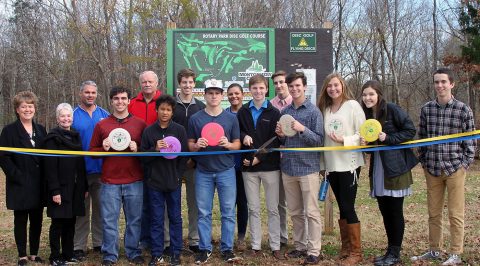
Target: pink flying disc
(173,146)
(212,132)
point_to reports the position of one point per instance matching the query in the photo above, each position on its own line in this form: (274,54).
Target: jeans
(205,184)
(173,200)
(345,193)
(113,196)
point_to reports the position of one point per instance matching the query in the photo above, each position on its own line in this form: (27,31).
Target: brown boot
(355,256)
(345,249)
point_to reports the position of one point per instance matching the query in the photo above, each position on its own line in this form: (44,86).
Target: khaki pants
(302,202)
(455,185)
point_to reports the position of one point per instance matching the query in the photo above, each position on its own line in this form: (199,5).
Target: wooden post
(328,212)
(171,25)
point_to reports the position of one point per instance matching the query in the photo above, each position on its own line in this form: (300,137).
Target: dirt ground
(373,234)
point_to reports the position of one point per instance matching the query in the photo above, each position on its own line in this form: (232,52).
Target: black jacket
(399,128)
(25,183)
(182,114)
(264,131)
(66,176)
(160,173)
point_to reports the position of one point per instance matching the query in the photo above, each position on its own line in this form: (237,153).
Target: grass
(373,234)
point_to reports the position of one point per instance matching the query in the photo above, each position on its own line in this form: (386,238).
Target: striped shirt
(437,120)
(303,163)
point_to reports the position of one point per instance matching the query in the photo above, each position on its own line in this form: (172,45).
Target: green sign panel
(303,42)
(229,55)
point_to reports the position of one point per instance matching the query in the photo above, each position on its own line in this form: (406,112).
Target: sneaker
(107,263)
(194,248)
(79,255)
(57,263)
(429,255)
(156,260)
(294,254)
(311,259)
(228,256)
(175,260)
(22,262)
(202,256)
(138,260)
(72,261)
(453,259)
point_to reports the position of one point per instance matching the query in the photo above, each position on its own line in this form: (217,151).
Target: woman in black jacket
(390,170)
(24,186)
(66,186)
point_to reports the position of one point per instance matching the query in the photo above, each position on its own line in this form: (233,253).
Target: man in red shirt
(122,180)
(143,106)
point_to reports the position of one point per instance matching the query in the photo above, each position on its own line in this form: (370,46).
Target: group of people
(148,188)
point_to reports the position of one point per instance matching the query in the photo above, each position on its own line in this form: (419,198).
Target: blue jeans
(205,184)
(157,200)
(112,198)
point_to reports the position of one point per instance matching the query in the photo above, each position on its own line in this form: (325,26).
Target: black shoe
(37,259)
(175,260)
(79,255)
(195,249)
(107,263)
(391,258)
(311,259)
(138,260)
(380,258)
(22,262)
(167,251)
(156,261)
(202,256)
(57,263)
(295,254)
(228,256)
(97,249)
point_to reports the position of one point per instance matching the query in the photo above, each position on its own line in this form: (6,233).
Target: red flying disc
(173,146)
(212,132)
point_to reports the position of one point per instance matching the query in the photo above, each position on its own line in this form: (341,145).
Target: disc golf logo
(119,138)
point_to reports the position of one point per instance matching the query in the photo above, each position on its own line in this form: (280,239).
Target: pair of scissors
(262,148)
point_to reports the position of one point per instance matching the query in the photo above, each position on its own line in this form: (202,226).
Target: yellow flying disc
(370,129)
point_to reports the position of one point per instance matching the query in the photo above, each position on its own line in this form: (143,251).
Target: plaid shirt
(303,163)
(436,120)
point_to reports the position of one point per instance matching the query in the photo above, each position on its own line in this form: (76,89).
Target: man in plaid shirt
(445,165)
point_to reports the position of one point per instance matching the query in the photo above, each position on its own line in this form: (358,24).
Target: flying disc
(173,146)
(370,129)
(335,125)
(286,124)
(119,139)
(212,132)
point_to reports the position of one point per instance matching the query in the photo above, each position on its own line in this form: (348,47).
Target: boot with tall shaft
(345,249)
(355,256)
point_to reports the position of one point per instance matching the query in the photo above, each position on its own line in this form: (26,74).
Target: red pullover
(139,108)
(119,169)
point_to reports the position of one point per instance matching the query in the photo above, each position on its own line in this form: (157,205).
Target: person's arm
(7,158)
(358,117)
(468,145)
(313,136)
(147,145)
(422,133)
(405,128)
(51,170)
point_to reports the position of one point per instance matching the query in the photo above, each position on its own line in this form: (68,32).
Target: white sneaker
(429,255)
(453,259)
